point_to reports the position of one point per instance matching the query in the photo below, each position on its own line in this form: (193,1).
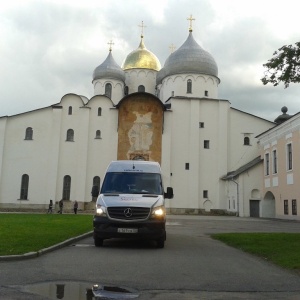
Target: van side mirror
(169,194)
(95,191)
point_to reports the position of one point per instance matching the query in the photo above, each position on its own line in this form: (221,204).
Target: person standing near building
(61,206)
(75,207)
(50,208)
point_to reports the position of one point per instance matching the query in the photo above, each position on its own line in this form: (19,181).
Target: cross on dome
(110,43)
(142,26)
(172,47)
(191,19)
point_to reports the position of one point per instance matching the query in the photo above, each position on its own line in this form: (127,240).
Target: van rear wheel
(160,243)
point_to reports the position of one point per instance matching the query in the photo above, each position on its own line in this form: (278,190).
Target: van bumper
(105,228)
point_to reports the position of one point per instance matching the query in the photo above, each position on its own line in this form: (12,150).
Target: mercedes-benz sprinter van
(131,203)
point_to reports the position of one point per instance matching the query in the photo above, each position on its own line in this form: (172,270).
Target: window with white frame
(289,156)
(274,160)
(267,164)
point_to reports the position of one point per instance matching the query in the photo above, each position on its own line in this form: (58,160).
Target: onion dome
(189,58)
(282,118)
(109,69)
(141,58)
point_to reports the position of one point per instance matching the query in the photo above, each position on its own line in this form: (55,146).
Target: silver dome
(189,58)
(109,69)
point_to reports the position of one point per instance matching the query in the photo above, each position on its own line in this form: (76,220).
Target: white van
(131,203)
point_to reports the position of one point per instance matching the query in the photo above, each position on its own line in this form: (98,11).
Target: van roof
(134,166)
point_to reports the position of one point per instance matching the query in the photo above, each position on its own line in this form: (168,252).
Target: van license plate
(127,230)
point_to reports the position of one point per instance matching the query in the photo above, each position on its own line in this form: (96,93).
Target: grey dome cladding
(189,58)
(109,69)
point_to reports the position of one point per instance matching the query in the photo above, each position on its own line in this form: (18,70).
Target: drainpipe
(237,196)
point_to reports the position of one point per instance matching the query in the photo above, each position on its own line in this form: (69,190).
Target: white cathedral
(140,110)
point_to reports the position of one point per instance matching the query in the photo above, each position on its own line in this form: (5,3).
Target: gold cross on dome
(172,48)
(191,19)
(142,26)
(110,43)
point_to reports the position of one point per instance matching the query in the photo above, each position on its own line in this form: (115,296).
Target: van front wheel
(98,242)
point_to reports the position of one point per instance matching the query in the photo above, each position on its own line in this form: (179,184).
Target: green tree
(284,66)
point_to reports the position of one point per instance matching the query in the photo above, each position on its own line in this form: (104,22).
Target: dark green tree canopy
(284,66)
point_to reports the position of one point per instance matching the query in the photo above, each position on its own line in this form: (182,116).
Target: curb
(45,250)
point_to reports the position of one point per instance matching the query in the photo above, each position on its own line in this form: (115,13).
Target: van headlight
(100,210)
(158,212)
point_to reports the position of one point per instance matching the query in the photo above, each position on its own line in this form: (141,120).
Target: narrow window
(66,188)
(187,166)
(205,194)
(274,162)
(294,207)
(189,86)
(246,141)
(126,90)
(28,133)
(24,187)
(267,164)
(70,135)
(286,207)
(206,93)
(141,88)
(201,124)
(99,111)
(206,144)
(98,134)
(108,88)
(70,110)
(289,157)
(172,93)
(96,181)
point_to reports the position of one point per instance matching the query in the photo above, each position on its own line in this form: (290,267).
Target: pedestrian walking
(75,207)
(50,208)
(61,206)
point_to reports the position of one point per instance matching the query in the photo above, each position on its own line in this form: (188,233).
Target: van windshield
(132,183)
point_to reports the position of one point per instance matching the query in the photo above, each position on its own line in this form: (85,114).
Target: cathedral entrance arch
(268,206)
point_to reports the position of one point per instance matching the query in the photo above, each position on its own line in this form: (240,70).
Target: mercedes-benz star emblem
(127,212)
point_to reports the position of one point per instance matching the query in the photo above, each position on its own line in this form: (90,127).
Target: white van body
(131,203)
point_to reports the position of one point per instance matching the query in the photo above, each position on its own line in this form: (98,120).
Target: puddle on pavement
(81,291)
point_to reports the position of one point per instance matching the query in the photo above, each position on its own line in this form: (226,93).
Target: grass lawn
(282,249)
(22,233)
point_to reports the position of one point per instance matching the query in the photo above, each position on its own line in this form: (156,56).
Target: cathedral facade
(140,110)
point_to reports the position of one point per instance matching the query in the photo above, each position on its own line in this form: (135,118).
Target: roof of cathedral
(109,69)
(189,58)
(141,58)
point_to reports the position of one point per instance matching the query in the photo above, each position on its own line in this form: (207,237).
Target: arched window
(141,88)
(126,90)
(99,111)
(98,134)
(189,86)
(24,187)
(70,110)
(108,88)
(70,135)
(96,181)
(246,141)
(28,133)
(66,188)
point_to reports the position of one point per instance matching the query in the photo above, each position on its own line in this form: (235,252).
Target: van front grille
(128,213)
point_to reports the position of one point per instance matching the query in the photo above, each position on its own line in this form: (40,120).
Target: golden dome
(141,58)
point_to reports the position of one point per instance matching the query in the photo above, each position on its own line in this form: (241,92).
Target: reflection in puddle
(80,291)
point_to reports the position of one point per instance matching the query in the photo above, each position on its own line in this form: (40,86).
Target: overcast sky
(50,48)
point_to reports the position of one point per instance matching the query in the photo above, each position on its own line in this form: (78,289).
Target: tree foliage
(284,66)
